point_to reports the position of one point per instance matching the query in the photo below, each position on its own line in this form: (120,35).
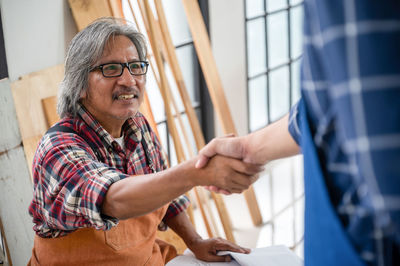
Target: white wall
(228,43)
(36,34)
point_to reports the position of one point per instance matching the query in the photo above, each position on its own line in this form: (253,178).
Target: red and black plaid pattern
(71,180)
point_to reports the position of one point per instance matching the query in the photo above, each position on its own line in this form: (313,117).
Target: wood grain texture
(28,93)
(171,237)
(15,197)
(86,11)
(215,88)
(15,186)
(49,105)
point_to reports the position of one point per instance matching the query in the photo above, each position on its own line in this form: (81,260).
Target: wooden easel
(209,67)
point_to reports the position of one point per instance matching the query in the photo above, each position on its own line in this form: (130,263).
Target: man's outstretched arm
(270,143)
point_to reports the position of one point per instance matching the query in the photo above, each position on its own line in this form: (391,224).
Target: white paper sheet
(271,256)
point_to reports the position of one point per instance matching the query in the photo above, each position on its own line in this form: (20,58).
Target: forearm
(182,226)
(270,143)
(139,195)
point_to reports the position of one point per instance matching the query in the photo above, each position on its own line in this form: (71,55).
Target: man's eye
(111,67)
(135,66)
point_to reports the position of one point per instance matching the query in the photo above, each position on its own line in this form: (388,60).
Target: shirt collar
(129,128)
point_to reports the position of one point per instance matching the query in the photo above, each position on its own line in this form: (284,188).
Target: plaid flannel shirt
(70,183)
(351,87)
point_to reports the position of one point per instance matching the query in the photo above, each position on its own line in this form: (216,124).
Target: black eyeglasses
(136,68)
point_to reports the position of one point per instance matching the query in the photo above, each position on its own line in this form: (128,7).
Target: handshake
(225,167)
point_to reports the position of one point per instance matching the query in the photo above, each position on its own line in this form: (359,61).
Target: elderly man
(99,189)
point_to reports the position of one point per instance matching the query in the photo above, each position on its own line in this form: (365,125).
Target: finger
(211,188)
(225,192)
(246,181)
(226,146)
(202,161)
(246,168)
(226,245)
(217,190)
(229,135)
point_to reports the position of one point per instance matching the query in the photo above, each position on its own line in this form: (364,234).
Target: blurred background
(257,47)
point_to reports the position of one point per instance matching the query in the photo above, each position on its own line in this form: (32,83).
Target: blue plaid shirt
(351,87)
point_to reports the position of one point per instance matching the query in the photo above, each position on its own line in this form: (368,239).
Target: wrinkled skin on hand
(206,249)
(229,174)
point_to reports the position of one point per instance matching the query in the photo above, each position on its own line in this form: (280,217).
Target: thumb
(201,161)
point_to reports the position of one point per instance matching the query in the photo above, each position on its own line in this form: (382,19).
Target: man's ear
(83,94)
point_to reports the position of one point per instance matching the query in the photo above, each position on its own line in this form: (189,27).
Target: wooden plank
(170,236)
(15,197)
(214,84)
(163,80)
(15,186)
(177,73)
(49,105)
(86,11)
(116,8)
(193,120)
(28,93)
(30,145)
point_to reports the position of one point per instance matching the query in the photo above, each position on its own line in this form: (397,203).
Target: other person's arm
(270,143)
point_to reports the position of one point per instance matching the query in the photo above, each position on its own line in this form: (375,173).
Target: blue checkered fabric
(351,88)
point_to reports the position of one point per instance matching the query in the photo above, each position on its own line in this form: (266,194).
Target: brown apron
(131,242)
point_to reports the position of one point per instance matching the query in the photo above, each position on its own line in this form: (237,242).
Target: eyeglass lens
(135,68)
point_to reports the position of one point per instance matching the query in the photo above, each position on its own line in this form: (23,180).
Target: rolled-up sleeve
(70,186)
(294,122)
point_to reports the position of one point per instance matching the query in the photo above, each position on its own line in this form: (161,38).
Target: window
(273,40)
(273,51)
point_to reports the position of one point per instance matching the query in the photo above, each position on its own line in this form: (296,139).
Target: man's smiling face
(112,100)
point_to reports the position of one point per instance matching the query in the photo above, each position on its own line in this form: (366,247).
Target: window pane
(293,2)
(162,130)
(282,184)
(263,195)
(258,103)
(279,92)
(189,67)
(155,98)
(256,46)
(295,68)
(172,155)
(254,7)
(277,39)
(176,19)
(273,5)
(296,28)
(284,234)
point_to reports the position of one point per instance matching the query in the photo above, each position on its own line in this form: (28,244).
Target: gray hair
(85,49)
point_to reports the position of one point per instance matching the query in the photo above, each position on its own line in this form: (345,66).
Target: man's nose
(126,78)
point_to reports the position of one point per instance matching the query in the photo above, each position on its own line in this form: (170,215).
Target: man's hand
(228,174)
(206,249)
(230,146)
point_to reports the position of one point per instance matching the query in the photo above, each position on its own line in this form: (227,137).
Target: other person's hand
(229,146)
(228,174)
